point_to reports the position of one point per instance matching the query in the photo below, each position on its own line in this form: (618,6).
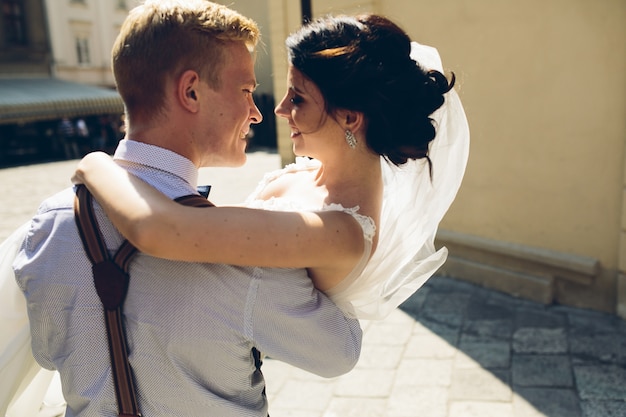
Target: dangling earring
(350,139)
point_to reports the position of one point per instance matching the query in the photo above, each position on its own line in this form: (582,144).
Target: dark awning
(32,99)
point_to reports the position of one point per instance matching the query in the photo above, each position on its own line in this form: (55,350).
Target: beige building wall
(94,24)
(284,18)
(542,211)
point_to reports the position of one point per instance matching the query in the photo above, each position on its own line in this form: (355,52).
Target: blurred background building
(57,96)
(542,211)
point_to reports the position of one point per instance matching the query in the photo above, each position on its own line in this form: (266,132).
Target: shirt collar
(157,157)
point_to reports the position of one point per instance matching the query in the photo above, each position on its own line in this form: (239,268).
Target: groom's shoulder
(62,200)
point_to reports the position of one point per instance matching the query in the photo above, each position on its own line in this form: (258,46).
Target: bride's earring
(350,139)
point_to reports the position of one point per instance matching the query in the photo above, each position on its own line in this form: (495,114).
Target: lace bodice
(288,204)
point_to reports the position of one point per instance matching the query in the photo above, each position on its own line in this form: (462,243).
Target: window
(13,16)
(82,34)
(82,51)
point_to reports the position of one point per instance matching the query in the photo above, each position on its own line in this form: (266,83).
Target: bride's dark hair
(362,63)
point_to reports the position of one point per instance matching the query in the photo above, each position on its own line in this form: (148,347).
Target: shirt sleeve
(291,321)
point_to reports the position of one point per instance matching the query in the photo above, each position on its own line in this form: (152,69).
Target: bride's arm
(234,235)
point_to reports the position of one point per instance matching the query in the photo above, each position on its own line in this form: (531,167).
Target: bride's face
(313,131)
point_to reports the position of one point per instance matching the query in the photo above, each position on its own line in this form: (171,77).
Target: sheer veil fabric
(413,206)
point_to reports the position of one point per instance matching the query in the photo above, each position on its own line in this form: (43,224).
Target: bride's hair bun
(363,64)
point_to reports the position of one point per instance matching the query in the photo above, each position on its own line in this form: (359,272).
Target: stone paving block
(450,303)
(423,326)
(538,340)
(497,297)
(304,396)
(411,402)
(479,310)
(276,374)
(480,385)
(398,316)
(389,334)
(436,324)
(541,371)
(480,409)
(482,294)
(365,383)
(446,284)
(609,347)
(302,375)
(424,372)
(29,185)
(592,322)
(603,408)
(533,317)
(491,354)
(277,370)
(601,382)
(489,328)
(429,346)
(450,319)
(443,331)
(356,407)
(546,402)
(380,356)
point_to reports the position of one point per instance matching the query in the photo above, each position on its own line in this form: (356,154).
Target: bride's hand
(87,164)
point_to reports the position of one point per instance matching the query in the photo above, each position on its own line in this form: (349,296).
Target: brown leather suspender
(111,280)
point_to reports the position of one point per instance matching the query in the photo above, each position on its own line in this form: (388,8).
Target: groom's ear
(187,90)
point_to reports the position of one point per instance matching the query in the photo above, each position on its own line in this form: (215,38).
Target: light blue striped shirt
(191,327)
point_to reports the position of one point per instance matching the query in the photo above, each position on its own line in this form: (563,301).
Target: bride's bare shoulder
(289,184)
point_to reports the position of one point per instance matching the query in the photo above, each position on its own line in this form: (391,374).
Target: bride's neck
(354,182)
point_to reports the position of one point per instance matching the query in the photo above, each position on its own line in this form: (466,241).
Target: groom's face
(229,109)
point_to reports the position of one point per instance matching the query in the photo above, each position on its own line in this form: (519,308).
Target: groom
(186,74)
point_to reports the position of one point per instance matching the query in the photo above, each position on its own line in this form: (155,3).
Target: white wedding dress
(413,206)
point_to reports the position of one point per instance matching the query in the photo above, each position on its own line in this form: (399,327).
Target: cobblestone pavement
(452,350)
